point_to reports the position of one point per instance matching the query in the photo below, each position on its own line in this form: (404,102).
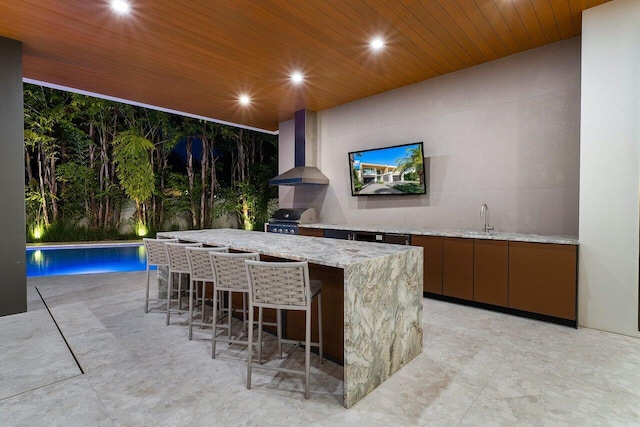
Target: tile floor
(477,368)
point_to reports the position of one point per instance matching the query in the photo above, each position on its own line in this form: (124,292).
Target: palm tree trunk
(53,188)
(204,164)
(190,175)
(212,192)
(43,193)
(27,165)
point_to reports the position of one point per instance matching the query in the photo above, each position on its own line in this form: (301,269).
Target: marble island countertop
(468,234)
(329,252)
(378,293)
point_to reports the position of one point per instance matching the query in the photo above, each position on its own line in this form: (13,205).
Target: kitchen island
(372,292)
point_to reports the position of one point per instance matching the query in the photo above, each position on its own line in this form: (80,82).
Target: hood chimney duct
(300,123)
(304,172)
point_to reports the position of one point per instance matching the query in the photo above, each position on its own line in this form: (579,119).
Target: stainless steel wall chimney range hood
(305,139)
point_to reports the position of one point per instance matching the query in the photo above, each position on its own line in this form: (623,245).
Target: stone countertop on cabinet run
(467,234)
(329,252)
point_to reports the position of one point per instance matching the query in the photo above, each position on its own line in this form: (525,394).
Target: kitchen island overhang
(382,296)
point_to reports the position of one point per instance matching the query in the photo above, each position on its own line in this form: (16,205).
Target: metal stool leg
(146,305)
(169,292)
(260,335)
(320,346)
(214,322)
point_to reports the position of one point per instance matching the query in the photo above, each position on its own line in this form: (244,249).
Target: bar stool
(156,255)
(230,276)
(283,286)
(178,263)
(200,270)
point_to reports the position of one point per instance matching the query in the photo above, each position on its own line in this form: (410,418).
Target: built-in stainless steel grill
(286,221)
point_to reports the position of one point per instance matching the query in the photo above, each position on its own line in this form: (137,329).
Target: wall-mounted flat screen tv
(397,170)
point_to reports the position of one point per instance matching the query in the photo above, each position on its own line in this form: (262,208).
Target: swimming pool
(85,259)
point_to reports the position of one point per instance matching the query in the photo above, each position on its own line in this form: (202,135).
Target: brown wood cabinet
(537,278)
(315,232)
(542,278)
(491,272)
(432,262)
(457,268)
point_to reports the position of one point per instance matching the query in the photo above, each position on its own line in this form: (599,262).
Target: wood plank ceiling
(198,56)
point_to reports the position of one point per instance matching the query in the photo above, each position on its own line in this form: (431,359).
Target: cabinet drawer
(315,232)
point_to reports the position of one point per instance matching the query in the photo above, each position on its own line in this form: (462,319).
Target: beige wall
(610,168)
(505,133)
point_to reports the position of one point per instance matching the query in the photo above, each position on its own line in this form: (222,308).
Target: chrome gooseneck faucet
(484,213)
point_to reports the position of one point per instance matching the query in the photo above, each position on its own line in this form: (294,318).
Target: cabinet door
(316,232)
(542,278)
(457,263)
(432,270)
(491,272)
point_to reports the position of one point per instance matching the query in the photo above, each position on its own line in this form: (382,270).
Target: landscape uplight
(37,231)
(141,230)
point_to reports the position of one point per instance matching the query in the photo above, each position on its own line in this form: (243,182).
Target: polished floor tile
(33,353)
(72,402)
(477,368)
(521,397)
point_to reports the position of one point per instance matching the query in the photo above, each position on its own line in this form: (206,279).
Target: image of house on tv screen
(394,170)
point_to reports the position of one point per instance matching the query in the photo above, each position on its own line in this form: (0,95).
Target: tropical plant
(412,162)
(70,231)
(355,176)
(79,186)
(133,168)
(410,188)
(44,112)
(249,195)
(86,157)
(99,119)
(200,141)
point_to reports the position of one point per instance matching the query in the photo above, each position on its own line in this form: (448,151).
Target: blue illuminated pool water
(85,259)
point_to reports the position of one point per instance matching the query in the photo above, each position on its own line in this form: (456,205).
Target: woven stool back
(178,259)
(200,263)
(229,270)
(156,252)
(279,284)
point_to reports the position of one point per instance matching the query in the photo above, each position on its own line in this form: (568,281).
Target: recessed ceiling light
(121,7)
(244,99)
(377,43)
(297,77)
